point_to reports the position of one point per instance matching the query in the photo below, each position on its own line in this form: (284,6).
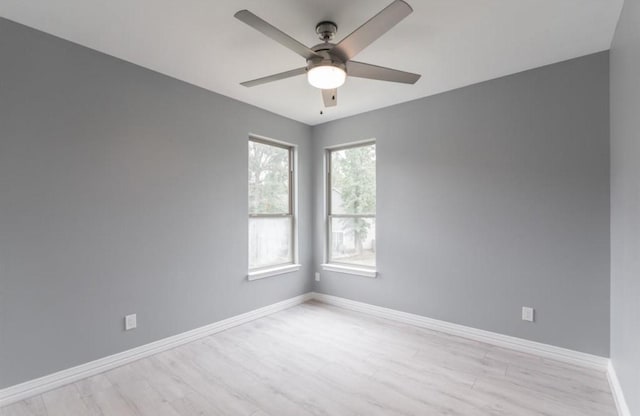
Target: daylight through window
(351,207)
(271,204)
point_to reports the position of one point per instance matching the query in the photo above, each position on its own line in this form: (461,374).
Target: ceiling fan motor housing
(326,59)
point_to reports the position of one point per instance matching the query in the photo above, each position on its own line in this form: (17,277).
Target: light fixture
(326,77)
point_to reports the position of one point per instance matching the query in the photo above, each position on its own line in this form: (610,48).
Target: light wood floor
(315,359)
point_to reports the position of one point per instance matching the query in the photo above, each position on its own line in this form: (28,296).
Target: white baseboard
(616,390)
(33,387)
(506,341)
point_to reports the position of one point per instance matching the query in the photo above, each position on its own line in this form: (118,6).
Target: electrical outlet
(527,313)
(317,276)
(130,322)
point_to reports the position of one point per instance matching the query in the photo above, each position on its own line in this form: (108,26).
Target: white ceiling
(452,43)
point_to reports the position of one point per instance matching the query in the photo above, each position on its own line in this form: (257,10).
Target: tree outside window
(352,205)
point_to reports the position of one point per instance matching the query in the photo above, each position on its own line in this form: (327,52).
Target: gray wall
(625,203)
(121,191)
(492,197)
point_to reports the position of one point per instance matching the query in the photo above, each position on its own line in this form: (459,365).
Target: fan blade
(375,27)
(330,97)
(275,77)
(276,34)
(362,70)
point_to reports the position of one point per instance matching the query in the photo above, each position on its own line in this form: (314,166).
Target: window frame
(291,265)
(329,264)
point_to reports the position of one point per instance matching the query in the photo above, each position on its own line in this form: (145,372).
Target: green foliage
(268,179)
(353,184)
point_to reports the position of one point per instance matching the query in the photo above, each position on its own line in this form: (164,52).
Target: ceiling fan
(328,64)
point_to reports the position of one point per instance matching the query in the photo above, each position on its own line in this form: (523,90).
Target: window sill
(274,271)
(350,270)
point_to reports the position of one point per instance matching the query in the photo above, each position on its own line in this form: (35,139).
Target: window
(351,206)
(271,206)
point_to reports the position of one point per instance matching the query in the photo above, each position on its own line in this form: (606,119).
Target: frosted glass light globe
(326,77)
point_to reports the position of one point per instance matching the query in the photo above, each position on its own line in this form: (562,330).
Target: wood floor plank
(212,386)
(66,400)
(320,360)
(29,407)
(109,402)
(92,385)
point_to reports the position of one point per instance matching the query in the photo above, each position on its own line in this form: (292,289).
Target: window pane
(269,242)
(353,180)
(353,240)
(268,179)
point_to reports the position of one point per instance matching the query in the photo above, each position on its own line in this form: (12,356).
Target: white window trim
(261,273)
(370,272)
(273,271)
(358,271)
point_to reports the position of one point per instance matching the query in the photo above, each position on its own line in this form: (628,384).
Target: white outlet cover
(130,322)
(527,314)
(317,276)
